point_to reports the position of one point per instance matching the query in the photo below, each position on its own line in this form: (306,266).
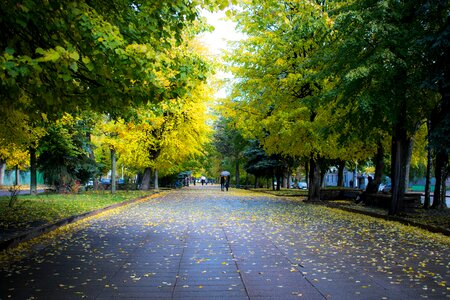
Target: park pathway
(201,243)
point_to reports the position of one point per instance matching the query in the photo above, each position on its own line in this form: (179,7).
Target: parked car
(302,185)
(385,188)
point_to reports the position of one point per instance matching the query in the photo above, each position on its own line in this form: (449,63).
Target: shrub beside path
(201,243)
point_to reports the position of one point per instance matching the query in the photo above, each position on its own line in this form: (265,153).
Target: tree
(229,142)
(63,155)
(374,58)
(96,56)
(277,96)
(66,56)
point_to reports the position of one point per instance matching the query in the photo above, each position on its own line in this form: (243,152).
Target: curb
(35,232)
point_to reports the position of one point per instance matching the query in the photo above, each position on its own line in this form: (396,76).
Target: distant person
(227,182)
(222,183)
(371,188)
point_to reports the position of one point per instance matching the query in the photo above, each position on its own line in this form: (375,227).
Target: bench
(411,200)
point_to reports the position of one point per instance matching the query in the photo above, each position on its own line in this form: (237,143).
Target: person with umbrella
(224,180)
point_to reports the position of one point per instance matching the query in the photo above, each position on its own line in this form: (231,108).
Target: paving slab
(201,243)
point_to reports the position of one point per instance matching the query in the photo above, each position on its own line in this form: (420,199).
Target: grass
(430,217)
(42,209)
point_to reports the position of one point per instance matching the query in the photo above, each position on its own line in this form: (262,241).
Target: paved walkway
(201,243)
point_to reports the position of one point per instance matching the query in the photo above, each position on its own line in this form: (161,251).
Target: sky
(217,40)
(224,32)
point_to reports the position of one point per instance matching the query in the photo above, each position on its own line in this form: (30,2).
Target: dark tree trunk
(441,164)
(92,157)
(426,203)
(279,179)
(17,176)
(443,203)
(2,171)
(379,164)
(113,171)
(33,170)
(145,184)
(237,173)
(273,181)
(307,172)
(156,181)
(401,144)
(314,180)
(439,123)
(341,167)
(408,153)
(287,181)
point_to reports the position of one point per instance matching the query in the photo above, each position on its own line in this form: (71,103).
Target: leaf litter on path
(196,238)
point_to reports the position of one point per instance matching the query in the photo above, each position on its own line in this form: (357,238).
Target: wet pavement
(201,243)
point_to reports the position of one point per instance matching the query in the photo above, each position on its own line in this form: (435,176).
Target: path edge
(46,228)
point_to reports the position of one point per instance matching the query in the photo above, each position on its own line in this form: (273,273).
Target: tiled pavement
(200,243)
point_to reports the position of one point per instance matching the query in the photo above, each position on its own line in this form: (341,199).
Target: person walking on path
(222,183)
(227,182)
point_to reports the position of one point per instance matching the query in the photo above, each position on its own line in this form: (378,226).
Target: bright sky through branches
(217,41)
(224,31)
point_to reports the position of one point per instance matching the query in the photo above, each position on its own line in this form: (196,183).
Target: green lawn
(47,208)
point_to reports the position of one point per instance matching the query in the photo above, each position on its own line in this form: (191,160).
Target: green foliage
(259,163)
(63,154)
(276,99)
(103,56)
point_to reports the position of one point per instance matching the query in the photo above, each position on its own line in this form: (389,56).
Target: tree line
(341,81)
(84,83)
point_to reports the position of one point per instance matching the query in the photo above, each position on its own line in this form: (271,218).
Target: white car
(302,185)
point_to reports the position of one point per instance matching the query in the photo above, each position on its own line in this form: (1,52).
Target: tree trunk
(279,179)
(17,182)
(426,203)
(92,156)
(156,181)
(33,170)
(314,181)
(439,123)
(401,144)
(379,164)
(443,203)
(237,174)
(287,178)
(145,184)
(273,181)
(341,167)
(307,171)
(2,171)
(440,174)
(408,162)
(113,171)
